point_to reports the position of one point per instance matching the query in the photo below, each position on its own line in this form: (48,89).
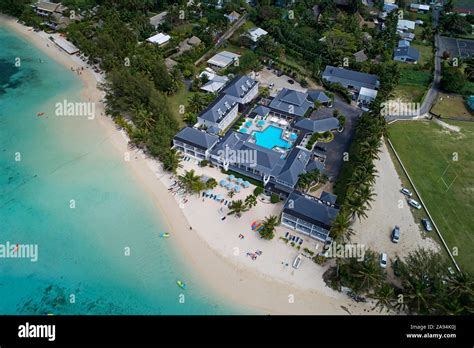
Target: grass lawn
(451,106)
(446,185)
(413,83)
(179,98)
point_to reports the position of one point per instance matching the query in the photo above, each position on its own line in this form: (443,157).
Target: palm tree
(251,201)
(196,103)
(143,118)
(385,296)
(192,182)
(211,183)
(366,194)
(340,228)
(371,147)
(139,137)
(269,225)
(369,274)
(171,161)
(237,207)
(356,205)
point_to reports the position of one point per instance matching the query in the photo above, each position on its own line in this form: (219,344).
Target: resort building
(290,103)
(222,60)
(242,89)
(159,39)
(420,8)
(405,25)
(232,17)
(406,36)
(403,43)
(388,7)
(350,79)
(46,8)
(194,142)
(407,55)
(366,96)
(319,97)
(220,114)
(256,33)
(310,216)
(253,157)
(307,125)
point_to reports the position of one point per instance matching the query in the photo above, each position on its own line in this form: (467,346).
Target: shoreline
(227,276)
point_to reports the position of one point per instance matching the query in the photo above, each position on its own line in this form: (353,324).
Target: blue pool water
(270,138)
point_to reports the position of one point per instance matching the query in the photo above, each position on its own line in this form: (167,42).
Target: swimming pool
(270,138)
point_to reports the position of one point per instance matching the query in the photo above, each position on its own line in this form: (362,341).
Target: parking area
(336,148)
(457,47)
(269,78)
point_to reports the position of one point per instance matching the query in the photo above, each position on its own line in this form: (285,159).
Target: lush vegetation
(424,284)
(441,164)
(458,77)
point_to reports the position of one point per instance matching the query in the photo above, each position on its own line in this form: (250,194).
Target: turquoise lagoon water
(271,137)
(81,251)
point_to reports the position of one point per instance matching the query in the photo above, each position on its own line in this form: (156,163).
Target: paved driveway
(336,148)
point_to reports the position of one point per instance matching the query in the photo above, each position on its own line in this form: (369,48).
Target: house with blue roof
(291,103)
(310,216)
(406,54)
(194,142)
(220,114)
(242,89)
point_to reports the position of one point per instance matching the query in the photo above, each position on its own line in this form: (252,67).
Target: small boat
(181,284)
(164,235)
(40,114)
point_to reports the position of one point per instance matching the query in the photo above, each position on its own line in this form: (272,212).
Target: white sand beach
(267,283)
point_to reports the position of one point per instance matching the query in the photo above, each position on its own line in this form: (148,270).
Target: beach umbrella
(209,192)
(239,181)
(246,183)
(236,188)
(228,185)
(231,177)
(223,182)
(248,124)
(243,130)
(218,197)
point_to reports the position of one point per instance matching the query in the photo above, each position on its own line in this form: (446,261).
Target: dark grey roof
(328,197)
(352,78)
(310,209)
(218,109)
(213,130)
(317,126)
(319,96)
(410,52)
(197,138)
(295,164)
(267,161)
(239,86)
(261,110)
(312,165)
(291,102)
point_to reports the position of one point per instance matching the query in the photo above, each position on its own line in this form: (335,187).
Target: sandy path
(374,232)
(265,284)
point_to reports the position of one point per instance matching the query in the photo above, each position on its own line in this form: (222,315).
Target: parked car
(406,192)
(426,225)
(396,267)
(414,203)
(451,271)
(383,260)
(286,235)
(300,242)
(396,234)
(291,82)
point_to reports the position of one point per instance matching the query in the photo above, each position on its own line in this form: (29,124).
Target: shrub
(258,191)
(275,198)
(203,163)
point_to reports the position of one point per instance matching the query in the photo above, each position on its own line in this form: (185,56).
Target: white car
(406,192)
(414,203)
(383,260)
